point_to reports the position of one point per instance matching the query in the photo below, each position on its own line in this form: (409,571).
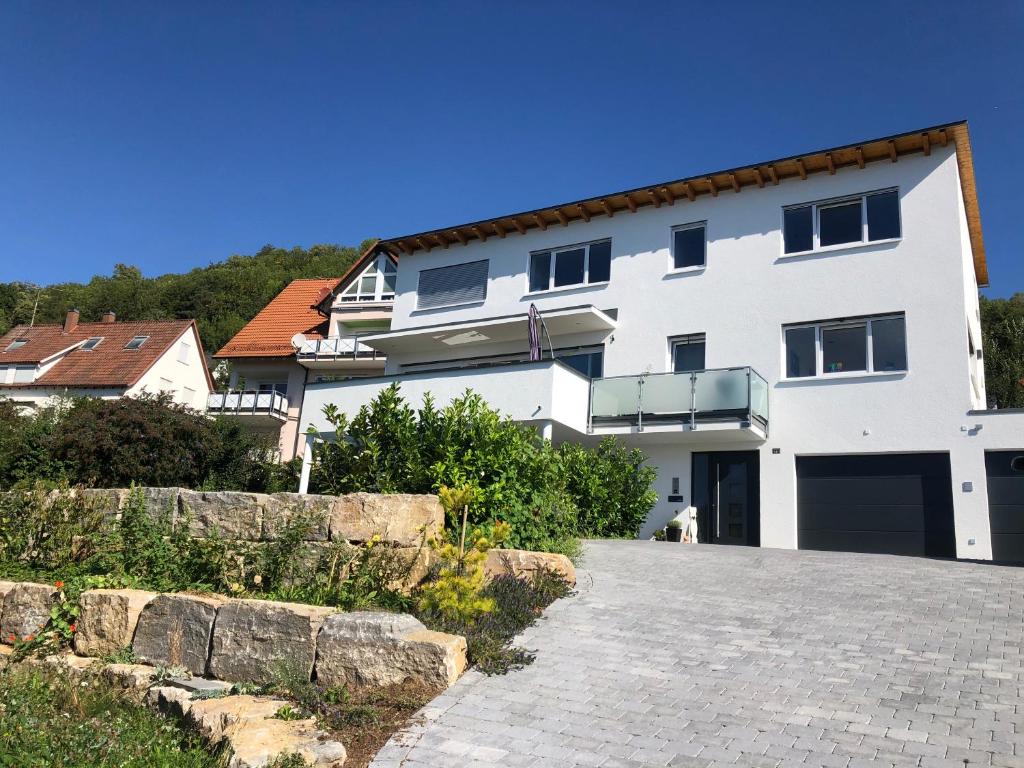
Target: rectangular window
(92,343)
(590,364)
(585,264)
(688,353)
(857,345)
(689,246)
(866,218)
(24,374)
(453,285)
(183,352)
(16,344)
(137,342)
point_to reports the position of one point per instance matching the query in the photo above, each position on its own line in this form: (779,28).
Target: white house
(108,359)
(796,345)
(311,331)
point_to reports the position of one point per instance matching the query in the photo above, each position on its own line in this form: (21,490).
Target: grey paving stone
(700,656)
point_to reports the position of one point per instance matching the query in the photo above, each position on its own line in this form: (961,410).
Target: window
(281,387)
(375,283)
(166,385)
(688,353)
(92,343)
(859,345)
(24,374)
(451,286)
(585,264)
(137,342)
(588,362)
(689,246)
(16,344)
(860,219)
(190,395)
(183,352)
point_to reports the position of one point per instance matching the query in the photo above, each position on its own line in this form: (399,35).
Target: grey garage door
(899,504)
(1005,472)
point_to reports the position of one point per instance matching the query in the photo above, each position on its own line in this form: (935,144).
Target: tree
(1002,325)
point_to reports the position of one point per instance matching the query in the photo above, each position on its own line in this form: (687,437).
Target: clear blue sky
(169,135)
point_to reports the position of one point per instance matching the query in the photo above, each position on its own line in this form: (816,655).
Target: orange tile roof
(269,334)
(108,365)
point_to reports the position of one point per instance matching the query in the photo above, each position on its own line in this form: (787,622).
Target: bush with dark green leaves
(549,496)
(1002,325)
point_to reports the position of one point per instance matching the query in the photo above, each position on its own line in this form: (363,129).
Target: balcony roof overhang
(733,180)
(509,328)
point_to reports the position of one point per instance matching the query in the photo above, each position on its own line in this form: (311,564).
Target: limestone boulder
(130,677)
(227,514)
(314,511)
(26,610)
(107,620)
(5,655)
(364,648)
(400,519)
(523,564)
(416,563)
(109,501)
(5,587)
(254,640)
(162,504)
(175,630)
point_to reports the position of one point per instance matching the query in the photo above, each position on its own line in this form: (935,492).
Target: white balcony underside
(702,433)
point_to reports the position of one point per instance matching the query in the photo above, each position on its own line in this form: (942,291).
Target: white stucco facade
(741,300)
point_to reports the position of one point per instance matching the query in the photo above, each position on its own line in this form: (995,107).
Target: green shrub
(548,496)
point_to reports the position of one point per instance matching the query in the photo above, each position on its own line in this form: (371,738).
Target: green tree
(1002,325)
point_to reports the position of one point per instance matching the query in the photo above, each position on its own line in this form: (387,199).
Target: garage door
(1005,471)
(899,504)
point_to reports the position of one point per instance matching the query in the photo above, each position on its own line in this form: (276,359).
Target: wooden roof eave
(726,182)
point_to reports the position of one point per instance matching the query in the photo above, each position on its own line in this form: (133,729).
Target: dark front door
(1005,470)
(726,493)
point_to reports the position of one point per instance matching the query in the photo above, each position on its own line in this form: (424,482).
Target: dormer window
(375,283)
(92,343)
(16,344)
(137,342)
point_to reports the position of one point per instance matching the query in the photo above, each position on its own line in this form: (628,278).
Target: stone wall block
(26,610)
(400,519)
(227,514)
(282,508)
(108,619)
(175,631)
(523,564)
(254,640)
(365,648)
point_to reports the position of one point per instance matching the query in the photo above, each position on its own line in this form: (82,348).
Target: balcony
(729,401)
(254,408)
(327,353)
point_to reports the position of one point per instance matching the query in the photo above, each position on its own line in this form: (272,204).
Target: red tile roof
(108,365)
(269,334)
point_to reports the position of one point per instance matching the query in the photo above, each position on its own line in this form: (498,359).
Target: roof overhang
(733,180)
(510,328)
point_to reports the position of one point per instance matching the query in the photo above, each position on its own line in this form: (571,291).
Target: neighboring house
(106,360)
(311,331)
(796,345)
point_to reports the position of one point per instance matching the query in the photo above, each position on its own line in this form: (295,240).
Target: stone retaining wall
(247,640)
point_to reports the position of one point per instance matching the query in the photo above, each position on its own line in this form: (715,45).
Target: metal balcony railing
(338,348)
(249,403)
(720,394)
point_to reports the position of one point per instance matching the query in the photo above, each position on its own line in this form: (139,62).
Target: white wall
(189,374)
(744,296)
(251,373)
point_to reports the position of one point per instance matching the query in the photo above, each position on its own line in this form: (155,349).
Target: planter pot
(674,534)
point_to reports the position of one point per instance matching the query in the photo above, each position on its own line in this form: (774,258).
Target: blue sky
(170,135)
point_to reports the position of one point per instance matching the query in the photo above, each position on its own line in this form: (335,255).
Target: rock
(5,655)
(130,677)
(109,501)
(255,640)
(201,685)
(162,504)
(281,508)
(400,519)
(225,514)
(107,620)
(26,610)
(523,564)
(5,587)
(256,743)
(418,561)
(366,648)
(169,700)
(175,630)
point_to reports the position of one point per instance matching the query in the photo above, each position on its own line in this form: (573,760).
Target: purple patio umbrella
(534,331)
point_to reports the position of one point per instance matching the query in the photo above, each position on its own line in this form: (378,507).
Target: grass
(49,721)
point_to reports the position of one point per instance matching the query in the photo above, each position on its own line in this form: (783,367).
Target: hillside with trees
(1002,326)
(221,297)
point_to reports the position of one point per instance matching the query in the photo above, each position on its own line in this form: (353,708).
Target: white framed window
(136,342)
(166,385)
(452,286)
(16,344)
(849,346)
(688,353)
(841,222)
(690,246)
(570,266)
(184,350)
(91,343)
(375,283)
(24,374)
(189,394)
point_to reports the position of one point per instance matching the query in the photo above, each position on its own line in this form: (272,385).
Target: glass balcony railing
(711,395)
(336,349)
(248,403)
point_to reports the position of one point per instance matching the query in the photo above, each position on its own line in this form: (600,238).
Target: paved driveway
(701,655)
